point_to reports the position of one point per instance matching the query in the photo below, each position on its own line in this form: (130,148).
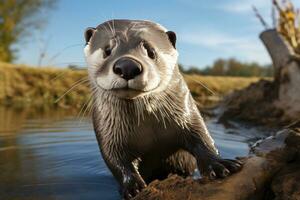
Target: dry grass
(27,86)
(22,85)
(210,89)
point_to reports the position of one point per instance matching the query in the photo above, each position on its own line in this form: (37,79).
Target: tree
(233,67)
(219,67)
(18,18)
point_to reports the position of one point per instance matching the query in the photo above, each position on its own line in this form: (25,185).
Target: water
(56,156)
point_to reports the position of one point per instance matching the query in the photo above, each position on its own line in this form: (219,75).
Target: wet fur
(156,133)
(156,124)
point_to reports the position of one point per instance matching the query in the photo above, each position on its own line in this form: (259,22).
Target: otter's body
(146,121)
(151,130)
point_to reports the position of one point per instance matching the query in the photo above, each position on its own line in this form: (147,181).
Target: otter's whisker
(87,103)
(113,26)
(50,60)
(111,30)
(68,63)
(58,76)
(133,26)
(86,108)
(80,81)
(61,73)
(91,107)
(204,86)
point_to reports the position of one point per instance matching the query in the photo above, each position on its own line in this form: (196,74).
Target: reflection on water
(54,155)
(51,155)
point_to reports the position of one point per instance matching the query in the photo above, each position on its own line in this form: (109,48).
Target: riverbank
(22,86)
(270,172)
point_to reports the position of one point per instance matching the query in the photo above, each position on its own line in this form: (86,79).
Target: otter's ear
(172,38)
(89,32)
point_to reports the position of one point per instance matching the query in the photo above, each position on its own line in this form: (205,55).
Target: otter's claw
(219,168)
(232,165)
(132,186)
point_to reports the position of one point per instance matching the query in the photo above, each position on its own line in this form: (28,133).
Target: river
(54,155)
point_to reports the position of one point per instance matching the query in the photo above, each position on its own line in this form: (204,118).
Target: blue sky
(206,29)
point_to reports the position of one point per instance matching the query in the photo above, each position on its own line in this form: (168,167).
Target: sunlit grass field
(208,90)
(48,86)
(31,86)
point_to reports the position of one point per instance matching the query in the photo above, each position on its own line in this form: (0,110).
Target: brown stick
(261,19)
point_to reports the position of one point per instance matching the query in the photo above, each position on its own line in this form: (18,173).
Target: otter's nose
(127,68)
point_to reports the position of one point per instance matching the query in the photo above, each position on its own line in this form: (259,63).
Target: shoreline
(24,86)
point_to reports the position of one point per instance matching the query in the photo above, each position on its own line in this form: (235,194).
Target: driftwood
(270,102)
(287,73)
(279,50)
(252,182)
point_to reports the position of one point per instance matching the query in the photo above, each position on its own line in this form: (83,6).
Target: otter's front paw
(132,185)
(218,167)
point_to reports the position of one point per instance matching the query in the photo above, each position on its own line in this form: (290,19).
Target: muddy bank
(271,171)
(255,104)
(269,102)
(266,103)
(27,86)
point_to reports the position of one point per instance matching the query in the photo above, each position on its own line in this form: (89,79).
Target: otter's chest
(154,135)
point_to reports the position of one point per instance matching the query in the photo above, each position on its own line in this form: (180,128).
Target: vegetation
(211,89)
(18,18)
(288,23)
(233,67)
(22,85)
(26,86)
(286,20)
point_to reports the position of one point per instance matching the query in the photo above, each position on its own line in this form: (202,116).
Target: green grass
(38,87)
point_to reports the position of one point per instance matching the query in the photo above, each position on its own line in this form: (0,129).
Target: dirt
(255,104)
(271,172)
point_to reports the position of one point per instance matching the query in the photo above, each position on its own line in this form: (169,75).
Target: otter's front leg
(209,163)
(130,180)
(132,183)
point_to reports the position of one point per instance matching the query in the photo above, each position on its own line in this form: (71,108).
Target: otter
(146,122)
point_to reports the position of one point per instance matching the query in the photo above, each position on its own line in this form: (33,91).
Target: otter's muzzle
(127,68)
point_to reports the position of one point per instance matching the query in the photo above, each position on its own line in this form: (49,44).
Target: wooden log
(267,158)
(279,49)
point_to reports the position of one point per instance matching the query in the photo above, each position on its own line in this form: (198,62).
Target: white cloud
(245,6)
(244,48)
(208,38)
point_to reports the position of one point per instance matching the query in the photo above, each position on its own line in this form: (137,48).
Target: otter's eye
(150,50)
(107,51)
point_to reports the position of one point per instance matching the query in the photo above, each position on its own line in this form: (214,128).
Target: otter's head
(130,58)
